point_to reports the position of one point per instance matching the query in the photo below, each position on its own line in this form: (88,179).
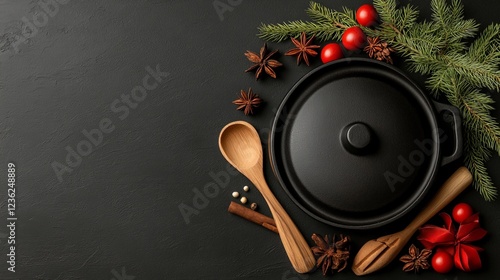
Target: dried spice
(331,256)
(247,101)
(303,49)
(416,259)
(379,50)
(253,206)
(252,216)
(262,62)
(456,242)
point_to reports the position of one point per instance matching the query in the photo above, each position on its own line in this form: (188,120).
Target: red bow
(456,243)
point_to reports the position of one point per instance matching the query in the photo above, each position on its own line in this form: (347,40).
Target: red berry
(331,52)
(366,15)
(461,212)
(353,38)
(442,262)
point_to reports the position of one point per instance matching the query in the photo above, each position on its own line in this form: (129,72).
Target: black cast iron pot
(356,144)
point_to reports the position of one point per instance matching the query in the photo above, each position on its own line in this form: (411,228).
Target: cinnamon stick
(253,216)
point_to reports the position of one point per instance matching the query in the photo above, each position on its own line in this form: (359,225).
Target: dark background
(116,215)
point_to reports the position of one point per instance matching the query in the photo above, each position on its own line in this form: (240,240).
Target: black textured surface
(116,214)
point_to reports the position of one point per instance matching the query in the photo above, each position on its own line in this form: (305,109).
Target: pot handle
(455,118)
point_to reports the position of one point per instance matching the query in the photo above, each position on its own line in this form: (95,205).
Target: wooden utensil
(375,254)
(240,144)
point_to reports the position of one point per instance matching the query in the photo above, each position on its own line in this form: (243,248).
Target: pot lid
(354,143)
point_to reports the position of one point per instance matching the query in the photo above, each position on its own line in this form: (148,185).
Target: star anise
(247,101)
(331,256)
(303,48)
(379,50)
(262,62)
(416,259)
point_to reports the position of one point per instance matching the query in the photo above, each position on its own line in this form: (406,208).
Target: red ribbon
(454,242)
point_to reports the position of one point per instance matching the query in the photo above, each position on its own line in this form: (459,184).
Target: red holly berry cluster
(453,247)
(353,37)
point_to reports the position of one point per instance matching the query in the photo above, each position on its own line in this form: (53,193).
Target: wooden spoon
(240,144)
(376,254)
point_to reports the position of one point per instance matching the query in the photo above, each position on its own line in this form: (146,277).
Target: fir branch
(386,10)
(475,161)
(409,16)
(481,131)
(453,27)
(327,25)
(283,31)
(339,21)
(438,80)
(322,14)
(421,51)
(478,74)
(439,49)
(486,48)
(475,107)
(394,20)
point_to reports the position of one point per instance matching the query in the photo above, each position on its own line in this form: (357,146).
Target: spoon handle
(296,247)
(457,183)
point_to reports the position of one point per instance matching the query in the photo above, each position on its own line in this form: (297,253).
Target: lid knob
(356,138)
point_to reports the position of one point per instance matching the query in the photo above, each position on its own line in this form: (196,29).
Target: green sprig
(438,48)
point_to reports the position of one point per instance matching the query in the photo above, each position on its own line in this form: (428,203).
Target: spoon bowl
(240,145)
